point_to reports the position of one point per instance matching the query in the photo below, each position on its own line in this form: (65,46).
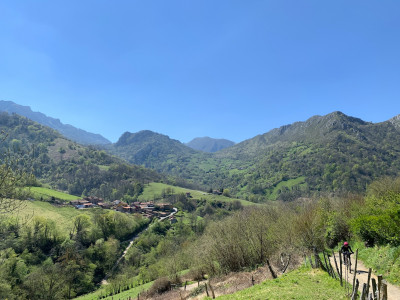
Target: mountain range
(334,153)
(208,144)
(68,166)
(75,134)
(324,154)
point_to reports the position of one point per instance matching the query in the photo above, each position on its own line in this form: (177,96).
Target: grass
(288,183)
(46,193)
(62,216)
(383,260)
(154,190)
(133,292)
(124,295)
(185,216)
(303,283)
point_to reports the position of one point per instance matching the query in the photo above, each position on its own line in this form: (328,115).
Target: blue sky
(220,68)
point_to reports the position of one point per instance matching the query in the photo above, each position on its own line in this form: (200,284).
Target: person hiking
(346,251)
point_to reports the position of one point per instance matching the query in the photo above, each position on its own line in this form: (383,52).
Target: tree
(13,173)
(226,193)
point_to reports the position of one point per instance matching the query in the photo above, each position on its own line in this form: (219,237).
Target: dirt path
(362,276)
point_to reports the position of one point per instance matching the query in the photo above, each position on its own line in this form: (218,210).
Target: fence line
(370,290)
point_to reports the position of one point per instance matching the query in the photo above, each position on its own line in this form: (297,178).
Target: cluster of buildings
(147,209)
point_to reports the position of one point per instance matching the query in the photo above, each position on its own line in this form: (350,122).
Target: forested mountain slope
(330,153)
(69,131)
(68,166)
(159,152)
(325,153)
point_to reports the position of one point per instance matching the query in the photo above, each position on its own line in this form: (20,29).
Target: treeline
(39,261)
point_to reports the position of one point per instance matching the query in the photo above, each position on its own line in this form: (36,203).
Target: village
(148,209)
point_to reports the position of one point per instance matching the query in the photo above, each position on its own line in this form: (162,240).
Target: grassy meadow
(154,190)
(45,193)
(62,216)
(303,283)
(133,292)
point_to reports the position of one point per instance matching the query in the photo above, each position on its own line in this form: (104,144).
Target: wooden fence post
(364,290)
(337,269)
(355,268)
(311,263)
(369,279)
(318,262)
(271,270)
(212,290)
(326,264)
(370,297)
(252,280)
(374,290)
(384,290)
(379,286)
(287,264)
(341,266)
(355,290)
(332,269)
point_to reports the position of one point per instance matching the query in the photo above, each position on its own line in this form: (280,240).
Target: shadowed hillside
(208,144)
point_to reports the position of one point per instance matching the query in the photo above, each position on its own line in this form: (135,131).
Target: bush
(198,290)
(161,285)
(196,274)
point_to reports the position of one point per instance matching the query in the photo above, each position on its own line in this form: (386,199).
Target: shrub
(161,285)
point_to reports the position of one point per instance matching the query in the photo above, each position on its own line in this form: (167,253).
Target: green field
(303,283)
(289,184)
(46,194)
(62,216)
(124,295)
(154,189)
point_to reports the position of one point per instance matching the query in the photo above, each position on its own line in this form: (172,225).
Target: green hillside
(325,154)
(46,194)
(69,131)
(155,190)
(67,166)
(62,216)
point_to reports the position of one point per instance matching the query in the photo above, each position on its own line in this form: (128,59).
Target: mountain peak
(395,121)
(139,137)
(208,144)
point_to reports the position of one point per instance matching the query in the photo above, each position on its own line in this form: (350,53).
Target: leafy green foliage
(379,221)
(383,260)
(40,260)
